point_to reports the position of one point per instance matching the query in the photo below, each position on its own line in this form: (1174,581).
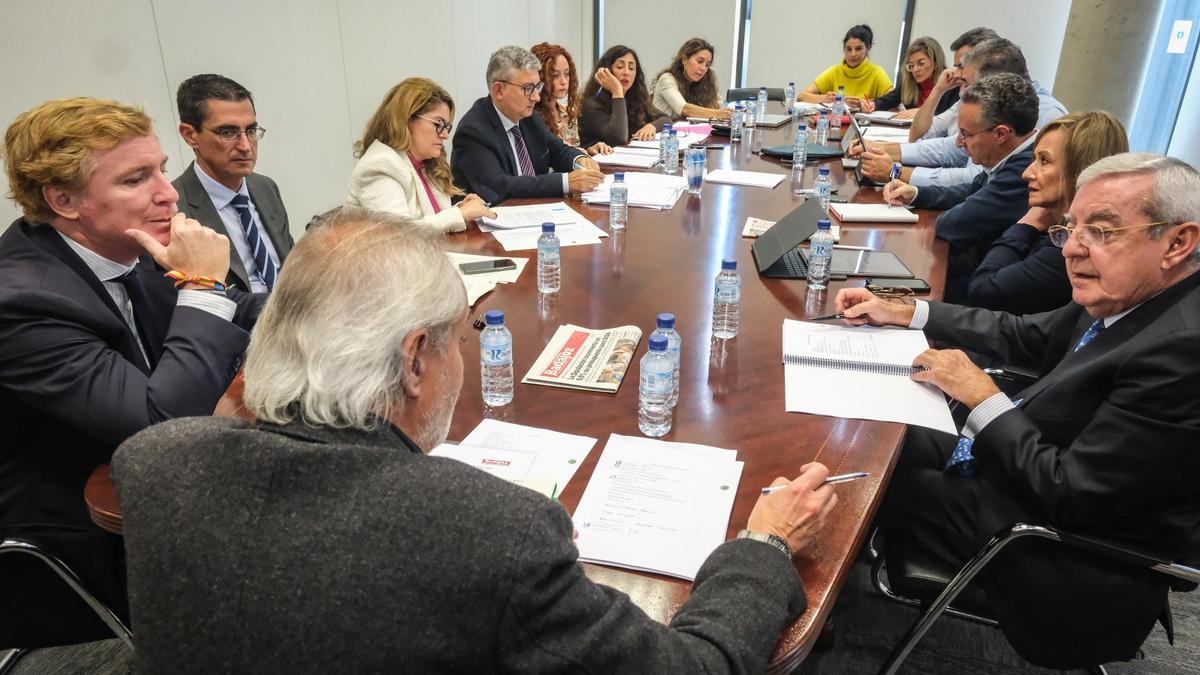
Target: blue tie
(1090,334)
(962,462)
(258,248)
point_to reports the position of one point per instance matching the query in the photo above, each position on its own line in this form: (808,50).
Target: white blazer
(385,180)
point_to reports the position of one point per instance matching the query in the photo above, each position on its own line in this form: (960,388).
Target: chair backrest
(747,93)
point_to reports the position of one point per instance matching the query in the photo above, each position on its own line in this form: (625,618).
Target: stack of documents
(751,178)
(859,372)
(685,139)
(646,190)
(657,506)
(884,117)
(642,158)
(517,228)
(882,134)
(538,459)
(479,284)
(872,213)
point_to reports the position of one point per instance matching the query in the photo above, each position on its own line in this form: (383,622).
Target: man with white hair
(1104,444)
(503,151)
(320,538)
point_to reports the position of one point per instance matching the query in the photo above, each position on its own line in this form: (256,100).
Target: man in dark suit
(343,547)
(502,150)
(1103,444)
(95,343)
(220,189)
(996,119)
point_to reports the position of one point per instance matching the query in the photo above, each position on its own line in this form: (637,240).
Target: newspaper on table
(585,358)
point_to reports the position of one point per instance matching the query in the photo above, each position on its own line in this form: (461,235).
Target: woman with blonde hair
(924,61)
(688,87)
(560,103)
(1023,271)
(402,166)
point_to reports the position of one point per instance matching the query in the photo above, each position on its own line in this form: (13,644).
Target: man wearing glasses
(220,188)
(502,150)
(1103,444)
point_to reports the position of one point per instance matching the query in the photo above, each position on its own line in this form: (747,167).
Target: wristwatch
(776,541)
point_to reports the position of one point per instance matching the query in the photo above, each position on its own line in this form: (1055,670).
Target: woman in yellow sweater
(863,81)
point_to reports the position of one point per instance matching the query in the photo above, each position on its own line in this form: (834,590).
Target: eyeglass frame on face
(439,126)
(964,136)
(1093,228)
(253,133)
(913,66)
(528,89)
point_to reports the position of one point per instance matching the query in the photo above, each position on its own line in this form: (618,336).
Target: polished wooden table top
(732,391)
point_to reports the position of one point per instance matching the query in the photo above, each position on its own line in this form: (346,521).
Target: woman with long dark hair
(688,87)
(863,81)
(616,103)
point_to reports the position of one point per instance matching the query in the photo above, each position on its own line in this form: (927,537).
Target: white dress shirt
(512,143)
(222,200)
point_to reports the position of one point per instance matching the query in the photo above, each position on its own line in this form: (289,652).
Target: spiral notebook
(859,373)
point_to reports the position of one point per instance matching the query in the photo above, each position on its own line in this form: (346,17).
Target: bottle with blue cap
(820,255)
(839,108)
(665,326)
(822,127)
(655,381)
(735,123)
(495,360)
(618,202)
(671,154)
(823,187)
(548,260)
(727,301)
(761,110)
(789,98)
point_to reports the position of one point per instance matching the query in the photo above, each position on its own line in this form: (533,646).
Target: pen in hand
(832,480)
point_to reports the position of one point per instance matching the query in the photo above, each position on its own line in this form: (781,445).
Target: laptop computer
(777,252)
(772,120)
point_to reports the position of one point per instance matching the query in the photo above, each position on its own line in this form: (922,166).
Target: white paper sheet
(656,506)
(820,390)
(881,133)
(872,213)
(749,178)
(884,117)
(573,234)
(622,157)
(531,215)
(479,284)
(556,455)
(646,190)
(685,139)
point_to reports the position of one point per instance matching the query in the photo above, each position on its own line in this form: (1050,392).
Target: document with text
(656,506)
(526,455)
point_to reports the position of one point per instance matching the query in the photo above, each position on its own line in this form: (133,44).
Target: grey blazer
(194,200)
(264,548)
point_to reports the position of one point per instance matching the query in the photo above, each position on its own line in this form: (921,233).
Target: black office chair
(23,546)
(973,603)
(748,93)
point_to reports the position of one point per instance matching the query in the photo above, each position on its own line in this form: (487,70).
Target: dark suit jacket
(483,161)
(1106,443)
(1022,273)
(195,202)
(290,548)
(982,209)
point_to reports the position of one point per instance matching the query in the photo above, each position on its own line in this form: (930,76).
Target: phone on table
(484,266)
(897,286)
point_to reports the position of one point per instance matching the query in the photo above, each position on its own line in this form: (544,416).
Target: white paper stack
(642,158)
(872,213)
(884,117)
(884,134)
(750,178)
(479,284)
(685,139)
(539,459)
(657,506)
(646,190)
(517,228)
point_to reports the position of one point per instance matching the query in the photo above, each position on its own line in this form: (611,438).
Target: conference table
(731,391)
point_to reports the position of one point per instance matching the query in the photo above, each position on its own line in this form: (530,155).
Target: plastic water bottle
(495,360)
(823,127)
(820,255)
(839,109)
(727,301)
(655,382)
(789,98)
(799,157)
(618,203)
(549,272)
(823,187)
(671,165)
(666,327)
(762,103)
(735,123)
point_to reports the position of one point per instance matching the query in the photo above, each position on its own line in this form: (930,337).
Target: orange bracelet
(181,279)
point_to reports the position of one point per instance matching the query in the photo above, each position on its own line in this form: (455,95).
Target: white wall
(317,68)
(655,30)
(777,56)
(1036,26)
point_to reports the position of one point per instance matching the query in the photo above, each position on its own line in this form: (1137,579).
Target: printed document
(750,178)
(872,213)
(656,506)
(531,215)
(859,372)
(514,451)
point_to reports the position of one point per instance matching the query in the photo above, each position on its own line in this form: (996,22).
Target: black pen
(832,480)
(827,317)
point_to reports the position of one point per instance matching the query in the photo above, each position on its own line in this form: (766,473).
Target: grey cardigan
(602,118)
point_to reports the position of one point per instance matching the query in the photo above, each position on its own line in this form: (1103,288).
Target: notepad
(750,178)
(642,158)
(872,213)
(860,373)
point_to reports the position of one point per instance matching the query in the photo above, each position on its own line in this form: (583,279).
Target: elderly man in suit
(95,342)
(1103,444)
(502,150)
(322,538)
(220,189)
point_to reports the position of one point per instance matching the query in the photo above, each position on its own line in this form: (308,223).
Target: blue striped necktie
(254,237)
(1090,334)
(526,166)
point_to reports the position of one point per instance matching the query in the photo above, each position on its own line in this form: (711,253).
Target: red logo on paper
(560,362)
(497,462)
